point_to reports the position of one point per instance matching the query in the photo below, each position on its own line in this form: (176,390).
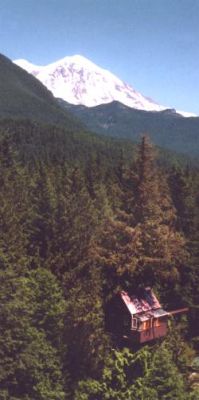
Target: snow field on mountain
(79,81)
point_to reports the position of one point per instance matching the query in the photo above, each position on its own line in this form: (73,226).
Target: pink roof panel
(147,302)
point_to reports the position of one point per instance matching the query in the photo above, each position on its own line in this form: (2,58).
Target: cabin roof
(145,303)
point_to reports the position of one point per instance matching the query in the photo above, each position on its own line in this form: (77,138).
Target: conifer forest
(83,217)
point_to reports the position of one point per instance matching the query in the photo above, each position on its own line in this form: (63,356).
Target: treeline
(74,231)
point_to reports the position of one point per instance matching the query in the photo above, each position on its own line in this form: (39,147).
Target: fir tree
(31,324)
(140,244)
(13,209)
(84,325)
(165,377)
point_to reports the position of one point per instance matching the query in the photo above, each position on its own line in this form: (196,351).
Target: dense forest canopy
(82,217)
(166,128)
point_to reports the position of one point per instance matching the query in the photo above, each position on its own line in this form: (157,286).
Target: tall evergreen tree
(140,244)
(162,247)
(31,327)
(165,377)
(13,209)
(75,224)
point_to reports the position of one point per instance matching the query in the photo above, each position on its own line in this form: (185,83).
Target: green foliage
(84,330)
(122,378)
(78,222)
(31,327)
(13,210)
(140,244)
(167,129)
(165,377)
(23,96)
(142,375)
(161,246)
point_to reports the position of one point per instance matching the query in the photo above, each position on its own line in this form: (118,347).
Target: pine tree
(75,224)
(13,209)
(140,244)
(182,192)
(116,254)
(31,327)
(41,220)
(165,377)
(84,325)
(162,248)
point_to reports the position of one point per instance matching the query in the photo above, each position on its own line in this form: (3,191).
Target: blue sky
(151,44)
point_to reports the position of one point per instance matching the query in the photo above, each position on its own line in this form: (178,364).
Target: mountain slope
(23,96)
(166,128)
(77,80)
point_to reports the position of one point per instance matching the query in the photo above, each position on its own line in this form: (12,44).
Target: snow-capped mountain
(77,80)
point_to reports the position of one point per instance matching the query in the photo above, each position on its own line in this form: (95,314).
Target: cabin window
(146,324)
(157,322)
(134,323)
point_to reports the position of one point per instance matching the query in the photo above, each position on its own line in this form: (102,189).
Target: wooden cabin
(139,318)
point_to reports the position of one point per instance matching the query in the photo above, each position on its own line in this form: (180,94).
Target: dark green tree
(136,376)
(84,325)
(162,246)
(13,209)
(124,377)
(75,224)
(165,377)
(31,327)
(140,243)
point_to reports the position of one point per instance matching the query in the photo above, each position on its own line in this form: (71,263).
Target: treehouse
(139,318)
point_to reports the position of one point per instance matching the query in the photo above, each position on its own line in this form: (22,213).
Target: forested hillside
(167,128)
(83,217)
(23,96)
